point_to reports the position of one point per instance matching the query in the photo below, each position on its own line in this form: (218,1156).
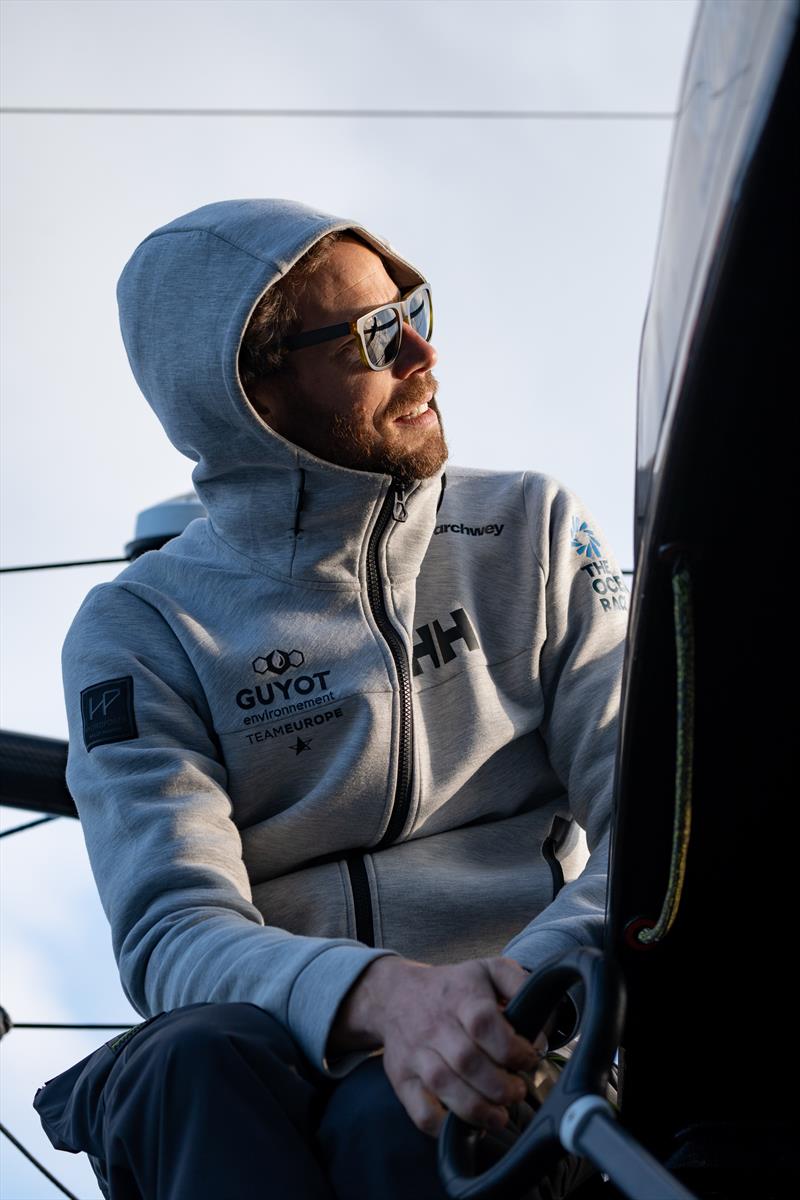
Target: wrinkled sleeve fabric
(580,670)
(164,849)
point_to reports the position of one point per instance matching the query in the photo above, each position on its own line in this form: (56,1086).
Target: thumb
(507,976)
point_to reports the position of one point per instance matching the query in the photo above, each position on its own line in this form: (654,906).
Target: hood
(185,298)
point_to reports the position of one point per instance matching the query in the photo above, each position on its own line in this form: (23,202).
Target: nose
(415,354)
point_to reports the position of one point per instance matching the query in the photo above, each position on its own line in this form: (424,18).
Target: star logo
(300,746)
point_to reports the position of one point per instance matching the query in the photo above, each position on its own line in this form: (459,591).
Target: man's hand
(446,1042)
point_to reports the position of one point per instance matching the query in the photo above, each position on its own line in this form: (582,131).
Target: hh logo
(437,644)
(107,712)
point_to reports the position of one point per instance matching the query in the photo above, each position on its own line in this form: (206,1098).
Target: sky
(538,237)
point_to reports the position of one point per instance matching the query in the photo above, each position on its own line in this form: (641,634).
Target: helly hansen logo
(107,712)
(437,644)
(474,530)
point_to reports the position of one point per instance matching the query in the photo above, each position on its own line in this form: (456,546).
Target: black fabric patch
(107,711)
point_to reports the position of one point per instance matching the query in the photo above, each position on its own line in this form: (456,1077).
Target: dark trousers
(217,1102)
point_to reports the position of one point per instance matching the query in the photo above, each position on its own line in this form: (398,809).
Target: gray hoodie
(307,733)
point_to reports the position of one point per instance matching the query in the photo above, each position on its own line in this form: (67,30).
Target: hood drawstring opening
(299,504)
(441,493)
(400,512)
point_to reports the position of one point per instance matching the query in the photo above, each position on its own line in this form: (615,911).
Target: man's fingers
(486,1026)
(444,1086)
(422,1107)
(471,1065)
(449,1046)
(508,977)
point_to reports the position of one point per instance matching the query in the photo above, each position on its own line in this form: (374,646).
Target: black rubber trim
(559,830)
(359,882)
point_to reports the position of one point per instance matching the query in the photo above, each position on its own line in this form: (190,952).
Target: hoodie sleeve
(151,791)
(580,668)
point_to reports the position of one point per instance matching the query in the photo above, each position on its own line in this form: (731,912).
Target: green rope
(684,753)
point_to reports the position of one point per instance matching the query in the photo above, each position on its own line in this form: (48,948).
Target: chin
(419,462)
(349,445)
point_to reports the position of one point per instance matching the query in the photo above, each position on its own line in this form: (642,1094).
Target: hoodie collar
(311,522)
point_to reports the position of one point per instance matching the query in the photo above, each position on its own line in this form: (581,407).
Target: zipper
(394,508)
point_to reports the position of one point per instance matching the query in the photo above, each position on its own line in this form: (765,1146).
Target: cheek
(365,405)
(377,398)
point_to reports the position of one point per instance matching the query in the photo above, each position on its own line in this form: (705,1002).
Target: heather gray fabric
(241,707)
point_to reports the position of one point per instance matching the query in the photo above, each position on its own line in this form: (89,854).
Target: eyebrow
(399,296)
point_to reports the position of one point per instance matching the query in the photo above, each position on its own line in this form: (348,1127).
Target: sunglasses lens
(382,337)
(382,332)
(420,314)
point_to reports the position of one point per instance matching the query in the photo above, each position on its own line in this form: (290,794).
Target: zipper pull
(400,512)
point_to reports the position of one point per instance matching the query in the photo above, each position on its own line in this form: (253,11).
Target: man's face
(339,409)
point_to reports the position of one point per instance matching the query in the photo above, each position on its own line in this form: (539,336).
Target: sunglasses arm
(299,341)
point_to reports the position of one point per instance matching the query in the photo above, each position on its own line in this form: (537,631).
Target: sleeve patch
(107,712)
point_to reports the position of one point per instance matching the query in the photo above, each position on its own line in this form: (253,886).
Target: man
(320,742)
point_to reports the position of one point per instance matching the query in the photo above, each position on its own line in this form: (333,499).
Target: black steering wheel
(538,1148)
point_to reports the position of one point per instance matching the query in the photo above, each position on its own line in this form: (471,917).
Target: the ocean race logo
(610,589)
(583,539)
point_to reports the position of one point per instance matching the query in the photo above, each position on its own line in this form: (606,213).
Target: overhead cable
(414,114)
(6,1024)
(85,562)
(36,1163)
(67,1025)
(27,825)
(93,562)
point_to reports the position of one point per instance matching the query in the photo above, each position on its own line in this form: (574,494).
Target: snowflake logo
(583,539)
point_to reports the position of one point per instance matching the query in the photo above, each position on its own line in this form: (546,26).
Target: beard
(349,445)
(346,440)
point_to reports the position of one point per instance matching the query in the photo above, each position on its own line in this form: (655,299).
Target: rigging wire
(66,1025)
(93,562)
(6,1025)
(84,562)
(417,114)
(36,1162)
(27,825)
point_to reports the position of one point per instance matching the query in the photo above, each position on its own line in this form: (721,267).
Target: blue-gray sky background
(538,237)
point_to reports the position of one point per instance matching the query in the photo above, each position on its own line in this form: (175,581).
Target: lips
(418,414)
(425,419)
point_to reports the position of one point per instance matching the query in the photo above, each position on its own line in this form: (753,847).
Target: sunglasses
(379,331)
